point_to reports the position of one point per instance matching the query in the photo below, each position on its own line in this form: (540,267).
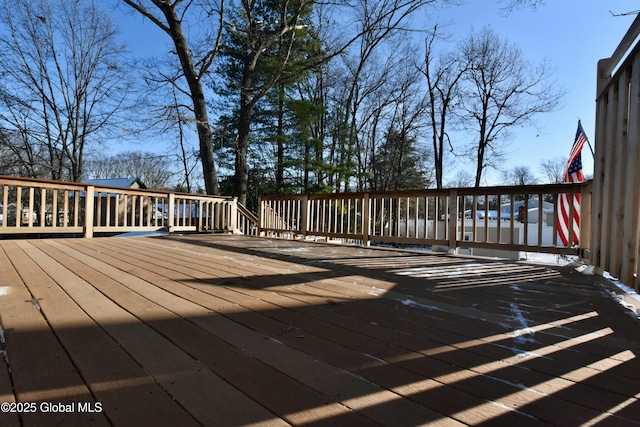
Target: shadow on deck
(230,331)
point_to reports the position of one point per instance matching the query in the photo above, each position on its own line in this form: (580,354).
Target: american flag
(573,174)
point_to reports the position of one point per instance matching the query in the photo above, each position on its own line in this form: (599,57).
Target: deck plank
(11,301)
(237,331)
(29,336)
(491,384)
(459,356)
(114,377)
(378,404)
(258,322)
(190,384)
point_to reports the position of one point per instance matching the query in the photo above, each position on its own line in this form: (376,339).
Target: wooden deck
(229,331)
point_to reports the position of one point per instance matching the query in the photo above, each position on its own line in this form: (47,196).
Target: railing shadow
(265,332)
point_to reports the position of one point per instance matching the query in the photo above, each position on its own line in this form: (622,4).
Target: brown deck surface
(229,331)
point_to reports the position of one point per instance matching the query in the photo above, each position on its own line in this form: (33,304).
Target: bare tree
(152,169)
(511,5)
(554,169)
(63,82)
(195,61)
(519,175)
(502,90)
(377,23)
(443,74)
(463,178)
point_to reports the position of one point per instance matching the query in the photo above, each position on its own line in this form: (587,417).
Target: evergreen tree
(397,163)
(268,44)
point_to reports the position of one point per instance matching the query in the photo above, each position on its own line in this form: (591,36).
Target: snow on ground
(624,295)
(547,258)
(412,303)
(143,234)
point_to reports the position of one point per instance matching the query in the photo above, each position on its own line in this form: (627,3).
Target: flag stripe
(568,223)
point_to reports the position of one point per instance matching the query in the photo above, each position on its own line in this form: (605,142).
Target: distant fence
(31,206)
(616,197)
(496,218)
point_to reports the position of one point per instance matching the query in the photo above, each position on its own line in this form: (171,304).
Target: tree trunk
(244,126)
(205,135)
(280,140)
(480,164)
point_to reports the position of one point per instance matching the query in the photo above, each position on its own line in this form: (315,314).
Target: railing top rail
(80,186)
(626,42)
(619,61)
(201,196)
(462,191)
(244,211)
(45,183)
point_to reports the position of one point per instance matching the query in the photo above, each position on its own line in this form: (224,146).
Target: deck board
(229,330)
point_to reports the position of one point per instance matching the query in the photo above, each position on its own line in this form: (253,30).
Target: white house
(532,211)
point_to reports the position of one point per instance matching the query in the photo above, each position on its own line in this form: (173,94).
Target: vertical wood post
(585,221)
(18,206)
(304,220)
(172,213)
(599,163)
(89,211)
(453,221)
(261,208)
(233,221)
(5,205)
(366,219)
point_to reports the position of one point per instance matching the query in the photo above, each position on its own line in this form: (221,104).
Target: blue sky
(572,34)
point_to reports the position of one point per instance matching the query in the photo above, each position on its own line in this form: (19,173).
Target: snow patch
(539,257)
(585,269)
(377,359)
(294,250)
(411,303)
(4,290)
(629,298)
(509,408)
(143,234)
(464,270)
(524,333)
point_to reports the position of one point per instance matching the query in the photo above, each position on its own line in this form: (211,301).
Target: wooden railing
(490,218)
(246,222)
(31,206)
(616,196)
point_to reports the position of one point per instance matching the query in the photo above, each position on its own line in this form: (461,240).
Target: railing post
(366,215)
(172,212)
(89,203)
(585,221)
(304,220)
(233,221)
(453,221)
(261,209)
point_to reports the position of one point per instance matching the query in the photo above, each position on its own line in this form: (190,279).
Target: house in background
(117,209)
(532,212)
(134,183)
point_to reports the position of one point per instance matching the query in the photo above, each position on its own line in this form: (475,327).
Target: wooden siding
(228,330)
(616,197)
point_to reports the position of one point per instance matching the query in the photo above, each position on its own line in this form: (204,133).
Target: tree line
(283,96)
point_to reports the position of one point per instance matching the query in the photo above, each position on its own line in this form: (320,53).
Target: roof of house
(116,182)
